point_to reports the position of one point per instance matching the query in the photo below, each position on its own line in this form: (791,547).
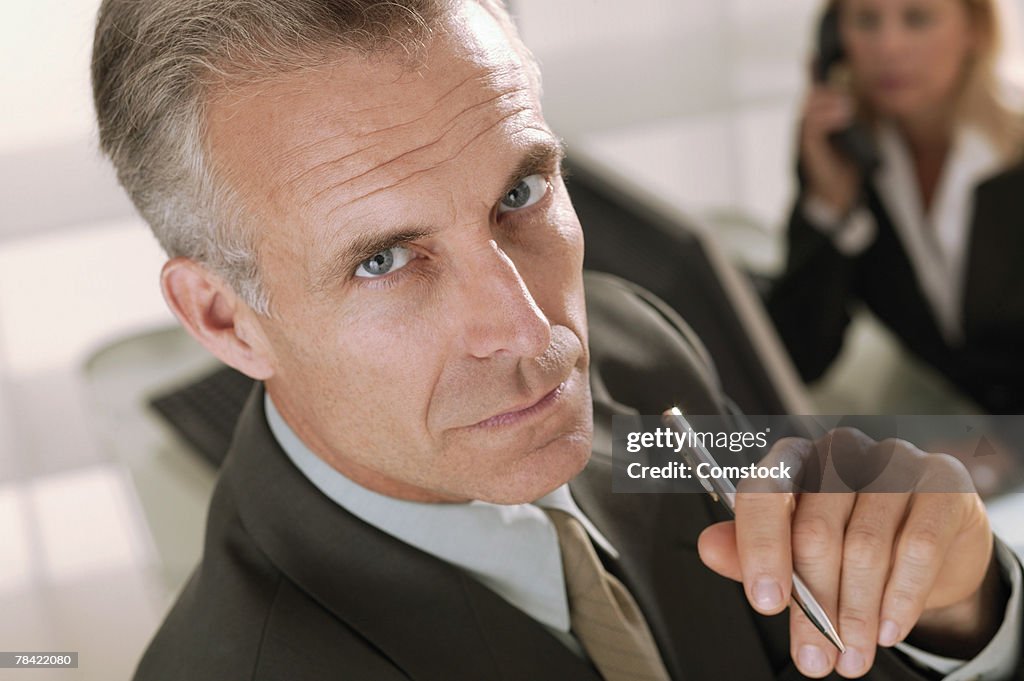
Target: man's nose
(501,316)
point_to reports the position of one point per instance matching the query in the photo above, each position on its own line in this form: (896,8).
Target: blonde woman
(932,240)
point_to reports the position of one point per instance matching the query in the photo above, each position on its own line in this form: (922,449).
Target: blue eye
(527,192)
(384,262)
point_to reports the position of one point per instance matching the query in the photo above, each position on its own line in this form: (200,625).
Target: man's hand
(886,566)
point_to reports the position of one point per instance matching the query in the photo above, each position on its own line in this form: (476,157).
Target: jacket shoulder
(240,618)
(1008,182)
(214,628)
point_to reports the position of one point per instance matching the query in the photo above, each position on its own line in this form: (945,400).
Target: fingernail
(812,660)
(767,594)
(888,633)
(851,662)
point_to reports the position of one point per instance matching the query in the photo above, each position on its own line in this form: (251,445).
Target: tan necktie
(603,614)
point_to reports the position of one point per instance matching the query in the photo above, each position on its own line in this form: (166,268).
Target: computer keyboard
(205,412)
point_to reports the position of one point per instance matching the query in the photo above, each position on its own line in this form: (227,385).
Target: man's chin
(542,471)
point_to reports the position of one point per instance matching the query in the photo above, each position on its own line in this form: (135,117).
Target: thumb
(717,548)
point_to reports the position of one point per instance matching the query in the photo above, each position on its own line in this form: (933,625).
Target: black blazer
(812,300)
(291,587)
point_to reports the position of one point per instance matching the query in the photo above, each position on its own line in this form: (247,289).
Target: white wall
(50,173)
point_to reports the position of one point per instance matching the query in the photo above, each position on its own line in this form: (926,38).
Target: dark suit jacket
(812,301)
(291,587)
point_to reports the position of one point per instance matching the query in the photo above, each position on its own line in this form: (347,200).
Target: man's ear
(216,317)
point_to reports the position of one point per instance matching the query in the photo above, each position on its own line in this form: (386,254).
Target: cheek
(571,285)
(562,235)
(949,58)
(368,373)
(571,233)
(552,267)
(862,53)
(944,49)
(551,250)
(390,349)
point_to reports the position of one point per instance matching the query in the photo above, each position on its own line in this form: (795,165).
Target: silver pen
(723,491)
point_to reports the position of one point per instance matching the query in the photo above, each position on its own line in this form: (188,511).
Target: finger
(817,555)
(824,107)
(829,103)
(924,541)
(823,94)
(828,106)
(826,121)
(764,511)
(867,554)
(717,549)
(763,544)
(814,658)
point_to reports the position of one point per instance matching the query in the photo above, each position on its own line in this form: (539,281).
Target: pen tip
(836,641)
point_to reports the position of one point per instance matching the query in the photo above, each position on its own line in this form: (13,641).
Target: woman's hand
(831,177)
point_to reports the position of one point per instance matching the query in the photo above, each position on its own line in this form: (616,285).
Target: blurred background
(686,107)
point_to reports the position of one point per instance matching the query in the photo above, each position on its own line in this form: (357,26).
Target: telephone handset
(855,142)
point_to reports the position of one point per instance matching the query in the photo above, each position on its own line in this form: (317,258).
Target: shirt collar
(512,549)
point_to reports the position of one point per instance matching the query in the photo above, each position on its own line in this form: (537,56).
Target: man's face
(424,266)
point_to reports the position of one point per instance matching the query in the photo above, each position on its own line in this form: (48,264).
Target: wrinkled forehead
(322,139)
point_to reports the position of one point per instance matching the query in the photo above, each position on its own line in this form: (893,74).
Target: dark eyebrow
(541,157)
(359,249)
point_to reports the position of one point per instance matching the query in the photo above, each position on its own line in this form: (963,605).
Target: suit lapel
(428,618)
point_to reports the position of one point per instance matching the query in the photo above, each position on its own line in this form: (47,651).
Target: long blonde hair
(981,100)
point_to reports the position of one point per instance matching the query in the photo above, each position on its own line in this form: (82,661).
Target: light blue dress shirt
(513,550)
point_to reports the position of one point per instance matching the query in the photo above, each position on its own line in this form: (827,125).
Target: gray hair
(155,65)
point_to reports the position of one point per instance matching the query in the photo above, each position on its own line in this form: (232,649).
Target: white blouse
(936,242)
